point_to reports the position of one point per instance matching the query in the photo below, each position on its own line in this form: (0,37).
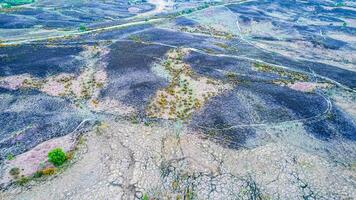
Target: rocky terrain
(178,99)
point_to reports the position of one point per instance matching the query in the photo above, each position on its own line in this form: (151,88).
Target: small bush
(48,171)
(22,181)
(44,172)
(10,156)
(37,174)
(14,171)
(135,38)
(82,28)
(70,155)
(145,197)
(231,75)
(57,157)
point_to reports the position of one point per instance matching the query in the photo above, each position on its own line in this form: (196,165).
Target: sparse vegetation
(339,4)
(189,195)
(208,30)
(135,2)
(330,116)
(145,197)
(22,181)
(181,97)
(134,119)
(135,38)
(69,155)
(57,157)
(16,2)
(100,127)
(222,45)
(37,174)
(81,140)
(291,76)
(48,171)
(5,5)
(10,156)
(191,10)
(83,28)
(231,77)
(209,51)
(15,172)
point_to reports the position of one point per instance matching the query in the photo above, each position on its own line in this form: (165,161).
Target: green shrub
(22,181)
(135,38)
(57,157)
(83,28)
(10,156)
(37,174)
(145,197)
(69,155)
(44,172)
(339,4)
(48,171)
(231,75)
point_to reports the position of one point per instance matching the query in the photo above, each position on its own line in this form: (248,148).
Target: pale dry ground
(125,161)
(29,162)
(160,7)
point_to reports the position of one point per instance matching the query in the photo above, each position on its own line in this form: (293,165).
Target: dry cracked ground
(183,100)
